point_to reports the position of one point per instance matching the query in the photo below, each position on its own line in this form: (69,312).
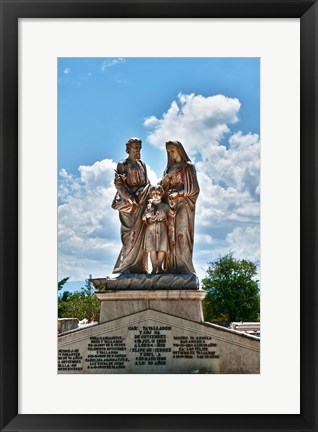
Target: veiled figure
(181,192)
(132,184)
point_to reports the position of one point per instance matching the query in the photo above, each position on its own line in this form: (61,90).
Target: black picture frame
(11,11)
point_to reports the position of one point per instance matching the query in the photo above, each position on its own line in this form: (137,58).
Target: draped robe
(132,257)
(182,178)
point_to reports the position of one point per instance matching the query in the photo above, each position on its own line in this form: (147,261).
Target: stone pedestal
(155,331)
(183,304)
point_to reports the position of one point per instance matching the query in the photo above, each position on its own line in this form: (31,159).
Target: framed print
(161,228)
(43,45)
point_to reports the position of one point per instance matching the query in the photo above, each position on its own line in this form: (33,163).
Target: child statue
(156,217)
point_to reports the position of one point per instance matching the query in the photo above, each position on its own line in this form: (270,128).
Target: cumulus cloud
(152,175)
(244,242)
(112,62)
(88,227)
(227,211)
(228,165)
(193,119)
(66,71)
(228,206)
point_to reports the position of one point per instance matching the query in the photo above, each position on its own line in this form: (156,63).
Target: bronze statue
(156,236)
(132,184)
(181,190)
(164,226)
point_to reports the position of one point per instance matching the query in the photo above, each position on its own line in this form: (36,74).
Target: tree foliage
(232,290)
(61,283)
(80,304)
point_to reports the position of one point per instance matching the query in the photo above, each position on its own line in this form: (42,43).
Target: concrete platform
(181,303)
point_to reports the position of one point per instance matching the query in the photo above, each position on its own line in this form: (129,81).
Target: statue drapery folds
(131,182)
(180,192)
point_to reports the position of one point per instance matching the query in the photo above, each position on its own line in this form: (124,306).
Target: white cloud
(194,120)
(204,238)
(236,166)
(66,71)
(99,175)
(228,205)
(152,176)
(242,241)
(245,242)
(227,211)
(112,62)
(88,228)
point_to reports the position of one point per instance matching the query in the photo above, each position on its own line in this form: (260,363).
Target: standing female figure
(181,190)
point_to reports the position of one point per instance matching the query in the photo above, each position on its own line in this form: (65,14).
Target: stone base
(155,331)
(66,324)
(137,281)
(152,342)
(183,304)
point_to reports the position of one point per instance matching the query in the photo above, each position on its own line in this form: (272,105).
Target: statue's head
(173,150)
(156,193)
(133,143)
(176,152)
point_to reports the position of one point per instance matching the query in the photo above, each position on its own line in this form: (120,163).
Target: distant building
(251,328)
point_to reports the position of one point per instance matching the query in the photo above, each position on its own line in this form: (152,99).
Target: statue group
(156,219)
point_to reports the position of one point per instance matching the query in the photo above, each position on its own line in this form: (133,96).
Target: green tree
(232,290)
(61,283)
(80,304)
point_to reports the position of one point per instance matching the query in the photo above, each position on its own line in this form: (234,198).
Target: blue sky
(212,105)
